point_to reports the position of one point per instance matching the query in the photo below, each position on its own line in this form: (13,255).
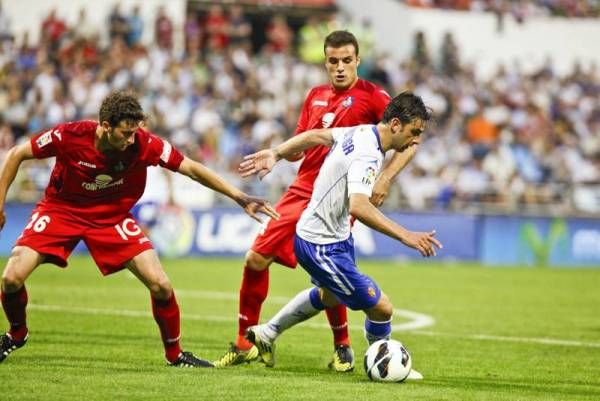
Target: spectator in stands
(450,63)
(311,35)
(135,27)
(5,32)
(279,35)
(480,131)
(217,28)
(7,139)
(540,130)
(163,30)
(192,34)
(52,31)
(240,29)
(118,28)
(84,28)
(421,55)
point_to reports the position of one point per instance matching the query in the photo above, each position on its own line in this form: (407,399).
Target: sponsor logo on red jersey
(327,119)
(102,181)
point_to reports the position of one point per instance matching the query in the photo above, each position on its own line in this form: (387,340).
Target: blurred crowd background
(520,9)
(514,142)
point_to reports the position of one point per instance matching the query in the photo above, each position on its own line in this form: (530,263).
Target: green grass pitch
(493,334)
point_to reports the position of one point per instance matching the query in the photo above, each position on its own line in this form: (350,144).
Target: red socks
(14,305)
(255,286)
(338,320)
(166,315)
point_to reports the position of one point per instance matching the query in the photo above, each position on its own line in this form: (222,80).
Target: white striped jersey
(351,166)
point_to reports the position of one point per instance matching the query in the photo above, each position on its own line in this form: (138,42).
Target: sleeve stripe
(166,153)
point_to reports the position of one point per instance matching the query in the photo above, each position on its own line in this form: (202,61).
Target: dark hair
(406,107)
(119,106)
(340,38)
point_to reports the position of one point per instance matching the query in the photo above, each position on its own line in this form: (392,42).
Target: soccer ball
(387,361)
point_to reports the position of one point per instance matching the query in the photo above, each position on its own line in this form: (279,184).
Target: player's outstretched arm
(8,172)
(205,176)
(391,170)
(362,209)
(262,162)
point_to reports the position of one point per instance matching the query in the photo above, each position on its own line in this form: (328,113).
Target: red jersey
(95,187)
(326,107)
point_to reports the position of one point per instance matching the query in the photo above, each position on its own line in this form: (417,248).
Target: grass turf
(499,334)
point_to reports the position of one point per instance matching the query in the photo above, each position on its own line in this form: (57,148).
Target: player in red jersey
(100,173)
(346,101)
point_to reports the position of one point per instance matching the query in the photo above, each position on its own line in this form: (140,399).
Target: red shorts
(277,238)
(55,234)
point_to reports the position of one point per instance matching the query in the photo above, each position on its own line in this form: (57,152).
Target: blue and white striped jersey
(351,166)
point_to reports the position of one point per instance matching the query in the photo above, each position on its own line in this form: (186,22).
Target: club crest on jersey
(371,291)
(348,101)
(369,177)
(120,166)
(44,139)
(327,119)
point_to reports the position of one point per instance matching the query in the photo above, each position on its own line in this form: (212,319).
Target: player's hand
(425,243)
(381,190)
(260,163)
(252,206)
(2,219)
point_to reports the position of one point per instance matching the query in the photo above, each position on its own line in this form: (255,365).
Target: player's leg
(124,245)
(378,326)
(337,316)
(253,292)
(274,243)
(333,267)
(378,323)
(49,237)
(303,306)
(22,262)
(147,267)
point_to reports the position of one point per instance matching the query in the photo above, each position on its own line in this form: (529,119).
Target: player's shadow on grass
(515,385)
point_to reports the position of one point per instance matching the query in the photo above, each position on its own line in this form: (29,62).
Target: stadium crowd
(515,141)
(520,9)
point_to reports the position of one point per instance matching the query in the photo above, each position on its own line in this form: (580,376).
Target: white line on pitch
(415,320)
(534,340)
(134,313)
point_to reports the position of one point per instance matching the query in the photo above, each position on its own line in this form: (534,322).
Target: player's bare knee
(11,282)
(256,261)
(12,277)
(382,311)
(161,288)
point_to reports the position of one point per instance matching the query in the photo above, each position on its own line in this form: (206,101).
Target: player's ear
(357,61)
(105,126)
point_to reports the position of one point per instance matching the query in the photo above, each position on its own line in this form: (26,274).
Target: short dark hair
(406,107)
(340,38)
(119,106)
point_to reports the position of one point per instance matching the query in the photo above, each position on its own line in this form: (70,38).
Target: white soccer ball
(387,361)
